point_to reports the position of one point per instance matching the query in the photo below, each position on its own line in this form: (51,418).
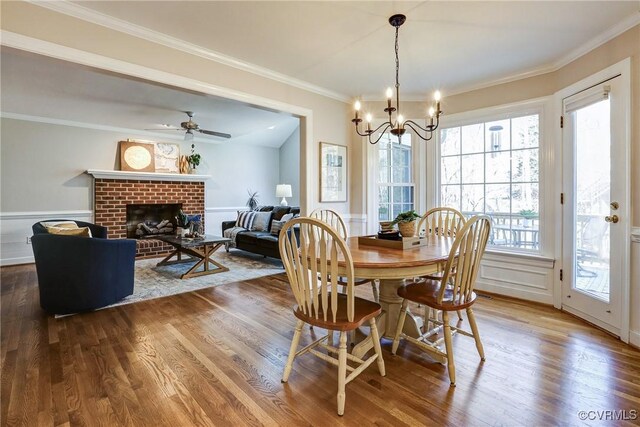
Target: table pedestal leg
(388,320)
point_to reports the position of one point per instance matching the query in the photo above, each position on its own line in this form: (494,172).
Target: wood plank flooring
(215,357)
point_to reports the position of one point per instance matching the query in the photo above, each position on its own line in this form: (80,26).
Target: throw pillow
(59,224)
(245,219)
(276,226)
(279,211)
(288,217)
(261,221)
(78,231)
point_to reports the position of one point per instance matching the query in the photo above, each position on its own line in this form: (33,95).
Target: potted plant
(252,203)
(528,215)
(182,222)
(193,159)
(407,223)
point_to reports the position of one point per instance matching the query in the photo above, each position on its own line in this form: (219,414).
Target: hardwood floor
(215,357)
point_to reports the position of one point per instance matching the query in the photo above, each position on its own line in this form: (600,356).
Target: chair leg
(374,289)
(459,315)
(449,347)
(292,351)
(474,330)
(401,319)
(376,345)
(342,371)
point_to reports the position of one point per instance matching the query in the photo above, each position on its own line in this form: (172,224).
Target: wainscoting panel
(356,224)
(214,216)
(526,278)
(15,228)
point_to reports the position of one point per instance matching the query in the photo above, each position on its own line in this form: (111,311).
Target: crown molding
(93,126)
(89,15)
(580,51)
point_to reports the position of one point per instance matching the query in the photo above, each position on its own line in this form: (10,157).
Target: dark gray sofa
(261,242)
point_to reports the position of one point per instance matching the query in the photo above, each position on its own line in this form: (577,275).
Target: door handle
(613,218)
(614,205)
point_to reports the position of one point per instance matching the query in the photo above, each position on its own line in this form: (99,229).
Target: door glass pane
(593,180)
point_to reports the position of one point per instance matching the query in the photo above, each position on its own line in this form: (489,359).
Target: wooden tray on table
(404,243)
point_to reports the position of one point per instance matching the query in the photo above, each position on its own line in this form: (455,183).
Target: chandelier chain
(397,71)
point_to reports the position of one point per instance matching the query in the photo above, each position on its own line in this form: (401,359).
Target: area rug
(152,281)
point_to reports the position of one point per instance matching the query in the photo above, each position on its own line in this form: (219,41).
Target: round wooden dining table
(393,267)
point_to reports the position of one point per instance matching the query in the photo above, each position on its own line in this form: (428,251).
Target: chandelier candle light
(398,127)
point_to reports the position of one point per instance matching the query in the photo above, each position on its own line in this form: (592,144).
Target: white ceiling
(347,47)
(34,85)
(341,48)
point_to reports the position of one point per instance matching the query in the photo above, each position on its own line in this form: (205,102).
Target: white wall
(42,171)
(290,166)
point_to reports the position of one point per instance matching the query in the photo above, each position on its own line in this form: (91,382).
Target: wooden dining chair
(334,219)
(440,221)
(450,295)
(311,258)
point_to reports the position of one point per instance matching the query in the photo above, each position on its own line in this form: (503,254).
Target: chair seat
(363,311)
(426,292)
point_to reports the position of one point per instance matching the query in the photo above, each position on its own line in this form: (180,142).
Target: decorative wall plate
(137,156)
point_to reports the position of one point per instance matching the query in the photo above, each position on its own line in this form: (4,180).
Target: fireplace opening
(151,219)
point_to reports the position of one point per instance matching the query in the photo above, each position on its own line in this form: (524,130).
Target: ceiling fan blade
(214,133)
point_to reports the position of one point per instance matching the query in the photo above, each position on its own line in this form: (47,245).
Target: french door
(595,209)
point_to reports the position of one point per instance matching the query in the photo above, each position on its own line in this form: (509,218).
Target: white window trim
(541,106)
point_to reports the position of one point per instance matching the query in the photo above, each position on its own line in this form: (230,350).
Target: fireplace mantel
(148,176)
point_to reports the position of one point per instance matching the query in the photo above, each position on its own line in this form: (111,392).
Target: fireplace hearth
(151,219)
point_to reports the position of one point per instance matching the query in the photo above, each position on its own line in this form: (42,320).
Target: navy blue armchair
(78,274)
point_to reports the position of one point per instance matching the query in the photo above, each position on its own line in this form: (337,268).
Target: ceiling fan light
(188,136)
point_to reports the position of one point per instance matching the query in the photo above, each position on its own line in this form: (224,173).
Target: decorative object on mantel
(407,223)
(184,165)
(193,159)
(252,203)
(399,125)
(284,191)
(137,156)
(167,157)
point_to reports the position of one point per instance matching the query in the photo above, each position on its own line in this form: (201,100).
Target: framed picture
(137,156)
(167,157)
(333,173)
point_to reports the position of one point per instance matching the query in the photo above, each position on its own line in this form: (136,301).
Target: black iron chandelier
(399,125)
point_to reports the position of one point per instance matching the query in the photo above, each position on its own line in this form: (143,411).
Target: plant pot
(407,229)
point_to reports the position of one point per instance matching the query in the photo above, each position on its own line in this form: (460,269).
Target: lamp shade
(283,190)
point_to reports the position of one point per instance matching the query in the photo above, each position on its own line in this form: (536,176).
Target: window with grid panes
(493,168)
(395,176)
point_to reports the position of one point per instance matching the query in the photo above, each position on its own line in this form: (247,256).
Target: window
(395,176)
(493,168)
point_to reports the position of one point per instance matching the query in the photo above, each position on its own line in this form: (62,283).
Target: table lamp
(283,190)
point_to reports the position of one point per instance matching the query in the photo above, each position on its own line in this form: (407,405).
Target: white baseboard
(634,338)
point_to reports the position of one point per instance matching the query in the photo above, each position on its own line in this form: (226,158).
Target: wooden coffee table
(197,249)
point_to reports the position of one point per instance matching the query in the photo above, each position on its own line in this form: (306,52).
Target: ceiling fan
(190,127)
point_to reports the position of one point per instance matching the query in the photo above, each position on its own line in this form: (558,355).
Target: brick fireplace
(112,195)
